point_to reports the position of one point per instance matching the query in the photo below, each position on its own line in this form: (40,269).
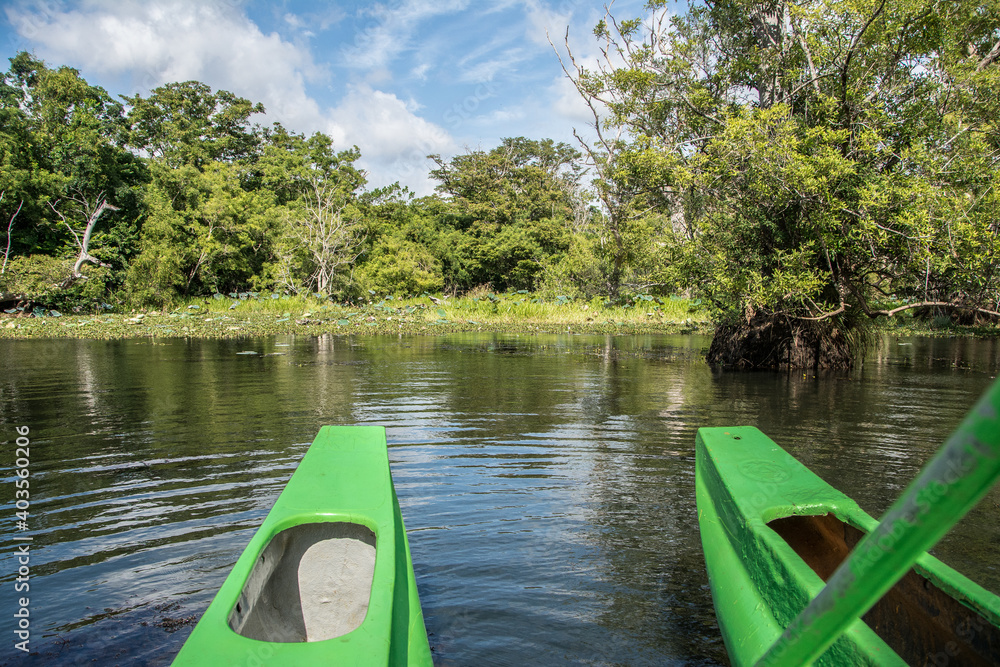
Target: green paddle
(950,485)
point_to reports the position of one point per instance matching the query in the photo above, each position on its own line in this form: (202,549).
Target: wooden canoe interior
(921,623)
(311,582)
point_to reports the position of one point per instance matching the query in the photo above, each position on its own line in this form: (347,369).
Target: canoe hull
(759,509)
(327,579)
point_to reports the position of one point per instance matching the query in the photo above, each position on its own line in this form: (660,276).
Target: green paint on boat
(773,532)
(327,579)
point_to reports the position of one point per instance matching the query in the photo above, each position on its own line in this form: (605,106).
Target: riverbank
(256,315)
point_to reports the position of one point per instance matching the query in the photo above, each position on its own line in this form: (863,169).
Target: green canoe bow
(773,532)
(327,579)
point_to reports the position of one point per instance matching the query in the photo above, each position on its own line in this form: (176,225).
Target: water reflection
(547,481)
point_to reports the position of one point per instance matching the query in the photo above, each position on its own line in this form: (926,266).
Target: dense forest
(147,200)
(805,168)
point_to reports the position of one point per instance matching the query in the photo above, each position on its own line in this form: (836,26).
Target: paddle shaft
(952,483)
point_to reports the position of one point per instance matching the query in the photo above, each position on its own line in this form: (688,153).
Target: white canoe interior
(311,582)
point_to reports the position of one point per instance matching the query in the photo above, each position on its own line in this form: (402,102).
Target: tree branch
(84,244)
(813,77)
(940,304)
(850,53)
(832,313)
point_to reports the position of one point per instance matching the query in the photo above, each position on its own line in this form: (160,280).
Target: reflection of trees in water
(643,514)
(937,354)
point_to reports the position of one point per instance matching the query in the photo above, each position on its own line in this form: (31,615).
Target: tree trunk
(10,226)
(85,255)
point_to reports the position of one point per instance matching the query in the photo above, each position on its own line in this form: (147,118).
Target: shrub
(46,281)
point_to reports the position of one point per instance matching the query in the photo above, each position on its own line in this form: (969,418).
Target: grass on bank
(249,314)
(265,314)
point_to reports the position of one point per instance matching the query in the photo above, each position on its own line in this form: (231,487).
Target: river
(546,482)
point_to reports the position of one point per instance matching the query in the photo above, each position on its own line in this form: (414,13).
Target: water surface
(547,482)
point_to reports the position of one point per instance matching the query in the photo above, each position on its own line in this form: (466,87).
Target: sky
(401,79)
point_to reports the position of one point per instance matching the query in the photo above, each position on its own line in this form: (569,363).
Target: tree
(189,124)
(10,226)
(514,207)
(519,179)
(210,225)
(319,189)
(204,233)
(93,213)
(822,160)
(64,164)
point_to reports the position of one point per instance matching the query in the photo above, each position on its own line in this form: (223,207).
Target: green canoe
(773,532)
(327,579)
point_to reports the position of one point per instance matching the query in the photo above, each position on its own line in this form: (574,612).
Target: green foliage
(62,153)
(579,272)
(204,233)
(508,213)
(400,267)
(815,158)
(322,226)
(521,179)
(796,159)
(189,124)
(41,280)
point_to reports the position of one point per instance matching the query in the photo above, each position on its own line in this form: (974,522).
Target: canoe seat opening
(311,582)
(916,618)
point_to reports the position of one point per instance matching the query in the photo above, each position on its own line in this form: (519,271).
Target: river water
(546,482)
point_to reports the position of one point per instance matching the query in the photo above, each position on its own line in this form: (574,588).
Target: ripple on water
(547,483)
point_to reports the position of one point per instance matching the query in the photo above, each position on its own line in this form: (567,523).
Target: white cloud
(324,18)
(567,104)
(420,71)
(175,40)
(501,116)
(391,31)
(542,19)
(215,42)
(394,142)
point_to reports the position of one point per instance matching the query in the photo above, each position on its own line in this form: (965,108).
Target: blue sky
(401,79)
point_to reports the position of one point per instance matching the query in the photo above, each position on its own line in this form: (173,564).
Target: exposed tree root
(778,342)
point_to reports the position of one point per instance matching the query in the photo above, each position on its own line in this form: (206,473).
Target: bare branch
(92,217)
(824,316)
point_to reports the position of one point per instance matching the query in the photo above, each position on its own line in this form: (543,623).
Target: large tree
(190,124)
(521,179)
(515,205)
(323,228)
(209,226)
(826,162)
(70,187)
(205,232)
